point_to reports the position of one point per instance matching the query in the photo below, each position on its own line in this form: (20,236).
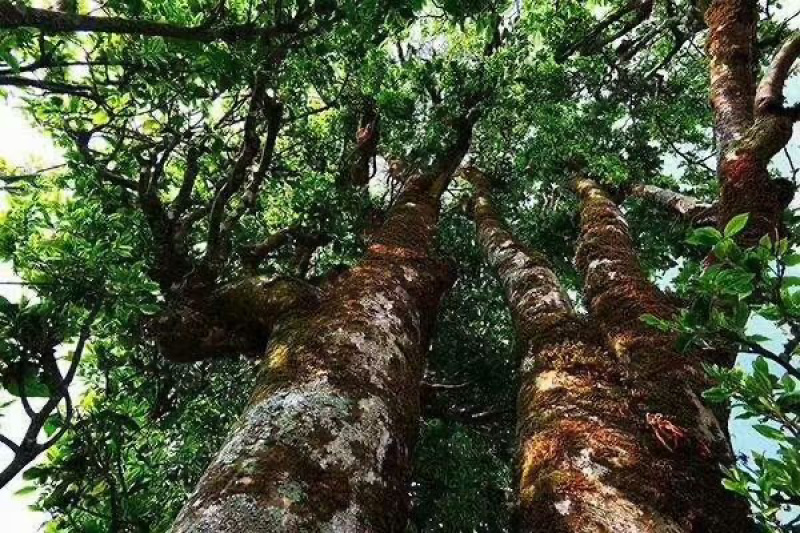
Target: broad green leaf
(736,225)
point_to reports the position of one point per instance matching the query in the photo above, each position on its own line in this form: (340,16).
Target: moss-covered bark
(324,443)
(586,461)
(683,439)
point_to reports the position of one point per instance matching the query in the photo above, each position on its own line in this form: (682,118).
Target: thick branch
(14,15)
(533,291)
(367,139)
(236,319)
(769,94)
(731,40)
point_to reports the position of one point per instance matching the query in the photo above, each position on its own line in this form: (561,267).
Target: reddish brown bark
(749,131)
(684,439)
(367,138)
(589,456)
(324,443)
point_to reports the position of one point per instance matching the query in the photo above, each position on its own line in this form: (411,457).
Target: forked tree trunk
(324,443)
(680,473)
(587,460)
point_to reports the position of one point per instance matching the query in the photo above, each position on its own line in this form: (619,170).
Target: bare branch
(686,207)
(769,95)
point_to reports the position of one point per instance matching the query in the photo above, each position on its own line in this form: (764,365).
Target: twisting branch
(274,116)
(238,174)
(30,448)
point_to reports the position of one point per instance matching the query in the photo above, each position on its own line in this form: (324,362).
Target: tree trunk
(684,441)
(324,443)
(747,136)
(586,462)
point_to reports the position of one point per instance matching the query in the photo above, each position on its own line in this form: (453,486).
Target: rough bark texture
(589,459)
(683,439)
(747,137)
(367,138)
(324,444)
(685,207)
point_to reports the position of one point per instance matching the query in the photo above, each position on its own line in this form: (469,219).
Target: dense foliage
(184,157)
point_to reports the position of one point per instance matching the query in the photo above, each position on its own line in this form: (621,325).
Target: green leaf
(150,309)
(24,491)
(705,237)
(791,260)
(735,282)
(736,225)
(727,249)
(654,321)
(769,432)
(52,424)
(34,388)
(9,58)
(716,395)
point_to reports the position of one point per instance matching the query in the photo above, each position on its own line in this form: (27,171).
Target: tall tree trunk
(748,132)
(324,443)
(684,439)
(588,459)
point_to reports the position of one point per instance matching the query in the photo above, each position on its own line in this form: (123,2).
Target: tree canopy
(209,143)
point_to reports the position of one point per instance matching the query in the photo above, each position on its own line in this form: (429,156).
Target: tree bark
(584,447)
(685,207)
(325,441)
(748,136)
(684,440)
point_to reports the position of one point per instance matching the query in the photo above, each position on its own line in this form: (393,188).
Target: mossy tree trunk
(684,440)
(588,459)
(325,441)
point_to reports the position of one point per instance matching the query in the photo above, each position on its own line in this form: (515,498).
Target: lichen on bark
(326,439)
(582,447)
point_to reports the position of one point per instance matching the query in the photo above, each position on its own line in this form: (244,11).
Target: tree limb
(14,15)
(769,95)
(235,319)
(685,207)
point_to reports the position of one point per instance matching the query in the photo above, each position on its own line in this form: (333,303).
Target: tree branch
(14,15)
(238,174)
(685,207)
(236,319)
(769,95)
(29,448)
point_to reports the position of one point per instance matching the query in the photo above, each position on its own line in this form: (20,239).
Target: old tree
(386,265)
